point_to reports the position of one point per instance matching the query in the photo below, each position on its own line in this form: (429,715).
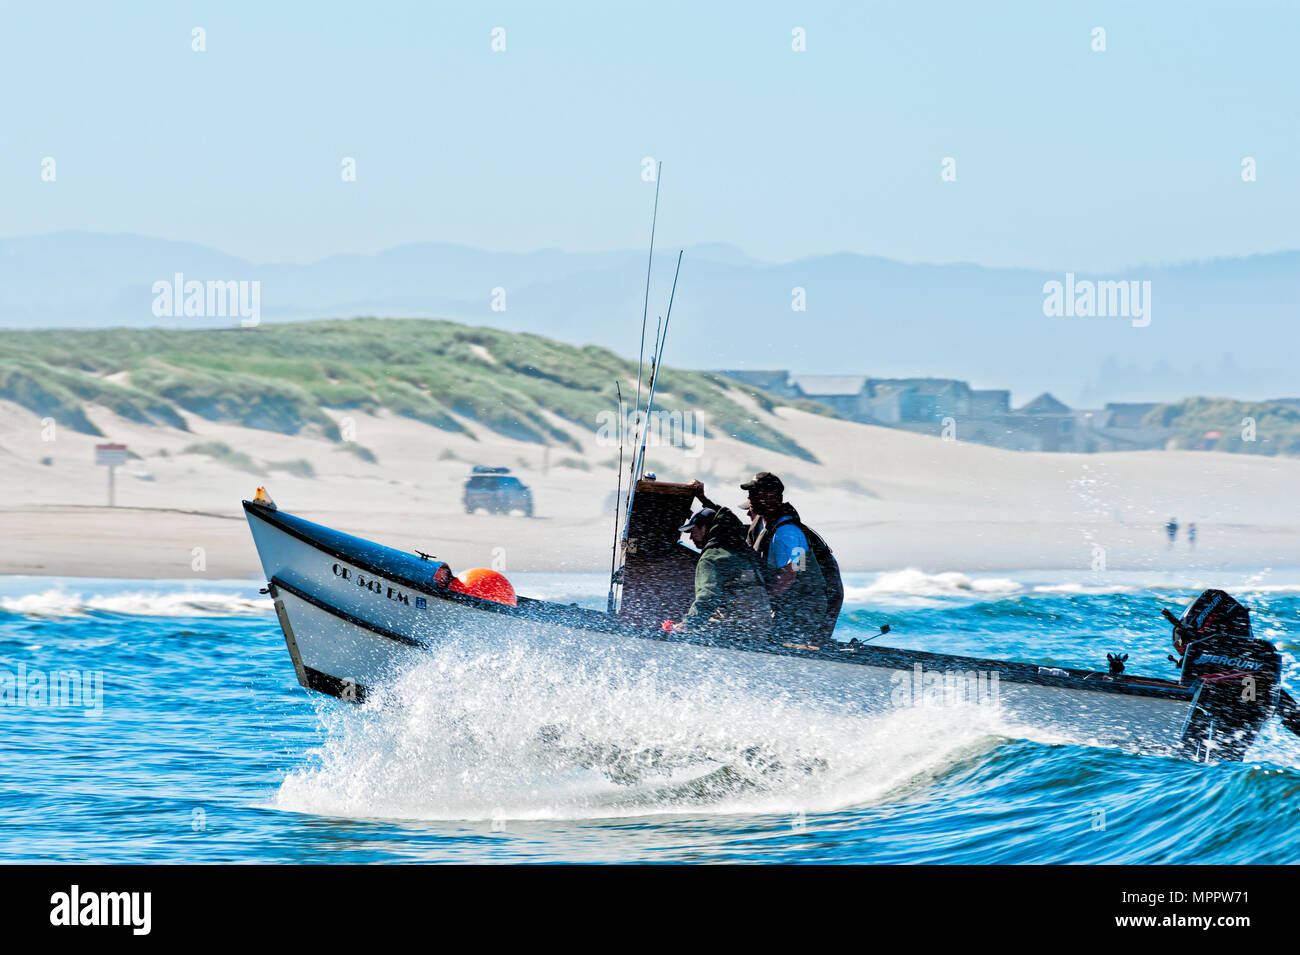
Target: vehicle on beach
(497,491)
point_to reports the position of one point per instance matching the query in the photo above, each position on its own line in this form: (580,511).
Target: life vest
(820,555)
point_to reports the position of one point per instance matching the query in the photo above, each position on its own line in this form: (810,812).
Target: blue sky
(1065,157)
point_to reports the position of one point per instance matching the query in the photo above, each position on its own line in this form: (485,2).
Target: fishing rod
(623,425)
(654,381)
(645,418)
(645,305)
(638,458)
(618,497)
(643,421)
(640,364)
(639,420)
(636,408)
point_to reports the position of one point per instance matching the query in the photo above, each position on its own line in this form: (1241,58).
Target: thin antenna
(618,496)
(638,455)
(645,306)
(654,372)
(640,421)
(640,364)
(654,358)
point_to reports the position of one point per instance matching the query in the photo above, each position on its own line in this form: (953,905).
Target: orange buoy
(485,584)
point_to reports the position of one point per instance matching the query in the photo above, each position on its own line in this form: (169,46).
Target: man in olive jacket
(796,582)
(730,596)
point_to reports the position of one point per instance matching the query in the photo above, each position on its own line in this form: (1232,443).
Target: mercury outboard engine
(1235,675)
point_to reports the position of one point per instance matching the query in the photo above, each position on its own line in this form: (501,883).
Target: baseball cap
(701,518)
(764,481)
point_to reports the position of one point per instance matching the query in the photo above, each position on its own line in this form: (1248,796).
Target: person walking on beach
(1171,528)
(1191,536)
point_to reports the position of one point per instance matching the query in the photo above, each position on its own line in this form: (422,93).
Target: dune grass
(225,454)
(280,377)
(1247,427)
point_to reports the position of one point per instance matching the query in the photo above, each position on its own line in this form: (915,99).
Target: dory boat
(355,613)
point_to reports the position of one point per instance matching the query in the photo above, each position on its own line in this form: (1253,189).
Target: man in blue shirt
(796,585)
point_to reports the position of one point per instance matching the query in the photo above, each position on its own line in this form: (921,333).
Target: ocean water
(194,743)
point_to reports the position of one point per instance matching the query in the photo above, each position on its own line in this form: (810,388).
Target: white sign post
(111,455)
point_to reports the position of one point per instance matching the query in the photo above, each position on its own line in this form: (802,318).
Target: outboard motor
(1236,677)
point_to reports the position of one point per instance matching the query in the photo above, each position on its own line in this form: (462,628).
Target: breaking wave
(1082,589)
(469,735)
(62,603)
(913,583)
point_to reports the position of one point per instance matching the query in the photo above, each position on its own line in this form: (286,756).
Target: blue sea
(191,742)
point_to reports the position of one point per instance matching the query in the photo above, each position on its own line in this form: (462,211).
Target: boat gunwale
(532,609)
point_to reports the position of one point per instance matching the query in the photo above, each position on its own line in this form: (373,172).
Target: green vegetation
(1275,426)
(39,391)
(853,487)
(298,467)
(364,453)
(279,378)
(224,453)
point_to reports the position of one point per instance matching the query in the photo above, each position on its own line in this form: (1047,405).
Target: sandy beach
(885,499)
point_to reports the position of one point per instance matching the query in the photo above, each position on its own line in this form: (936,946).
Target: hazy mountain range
(1223,327)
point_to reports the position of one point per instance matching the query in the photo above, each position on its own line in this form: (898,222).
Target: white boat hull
(350,627)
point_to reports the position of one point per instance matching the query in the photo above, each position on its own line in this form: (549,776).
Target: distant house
(985,403)
(1044,424)
(846,394)
(920,400)
(1128,414)
(775,382)
(889,404)
(1045,404)
(1121,426)
(983,416)
(891,401)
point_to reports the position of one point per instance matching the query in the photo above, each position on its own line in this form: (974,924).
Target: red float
(485,584)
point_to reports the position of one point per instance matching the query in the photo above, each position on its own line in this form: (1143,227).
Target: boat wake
(470,735)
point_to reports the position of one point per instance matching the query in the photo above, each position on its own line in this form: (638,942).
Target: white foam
(469,735)
(912,583)
(1083,589)
(61,603)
